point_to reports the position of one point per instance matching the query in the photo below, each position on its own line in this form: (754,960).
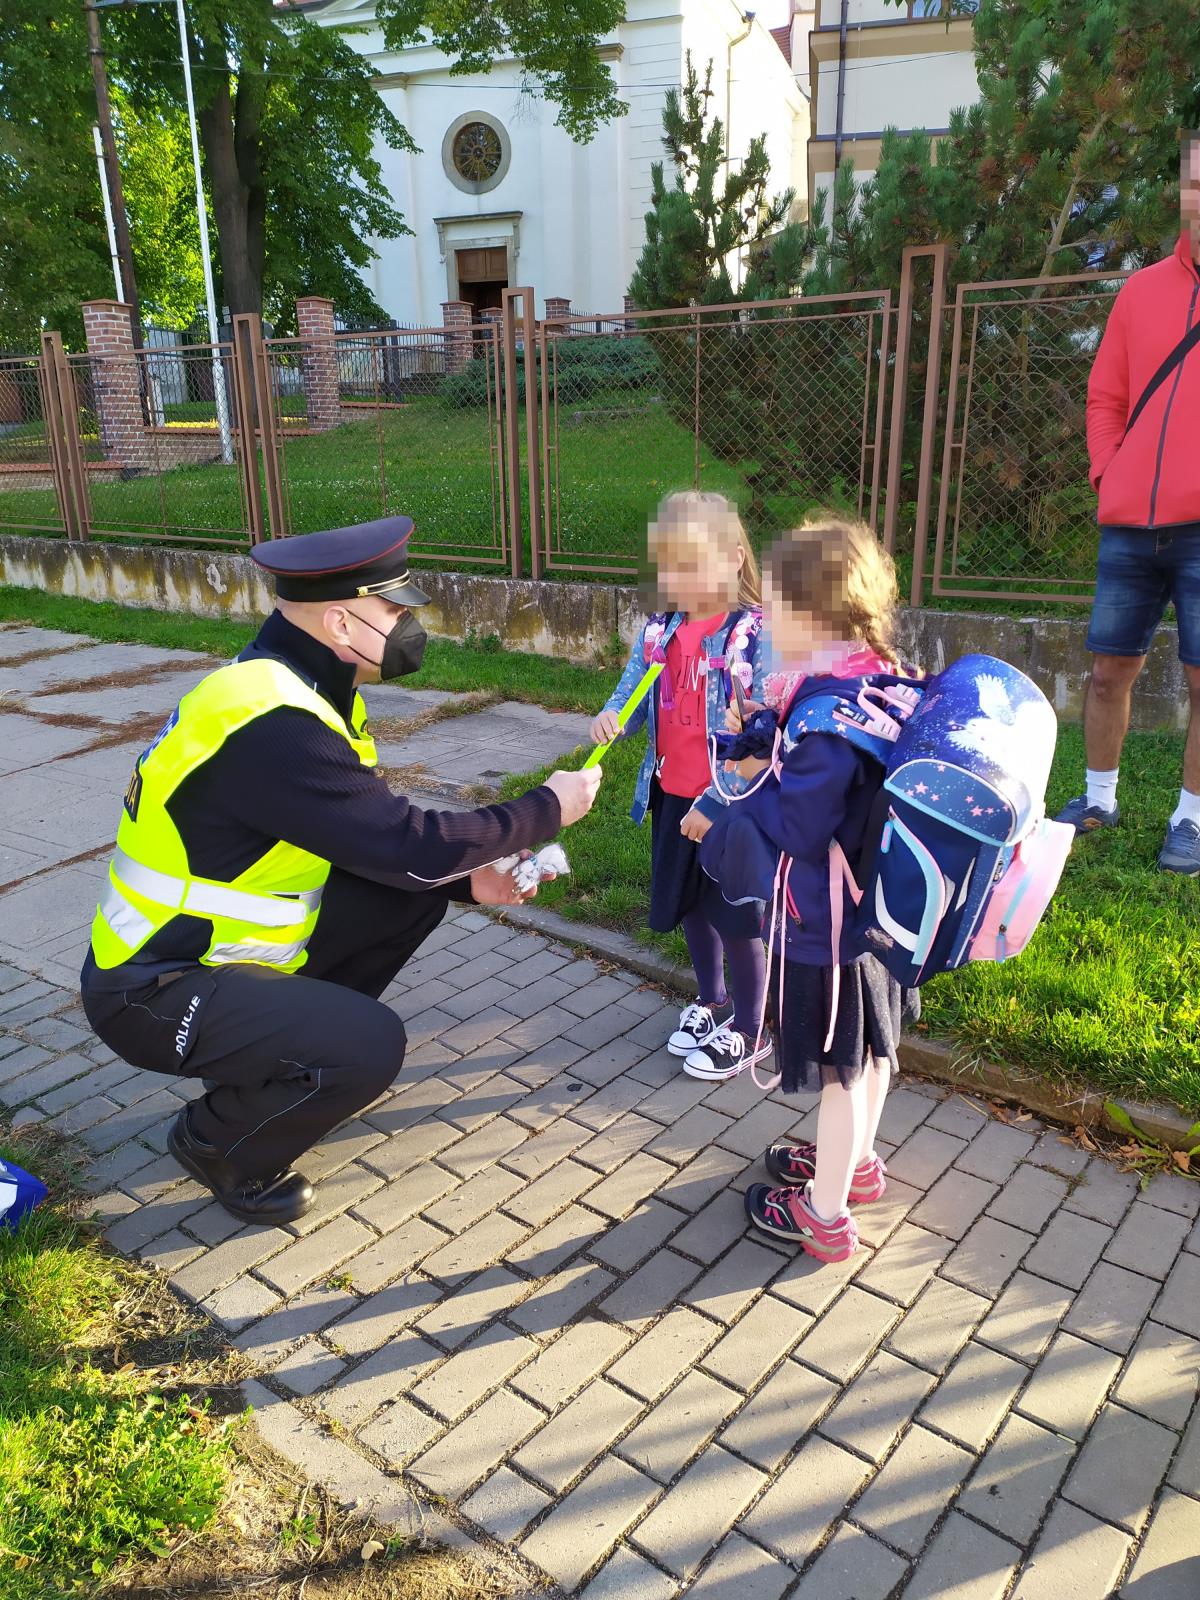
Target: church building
(498,196)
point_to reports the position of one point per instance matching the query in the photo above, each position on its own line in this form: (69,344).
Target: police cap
(344,563)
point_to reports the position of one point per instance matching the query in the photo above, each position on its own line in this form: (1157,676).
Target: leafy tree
(160,194)
(52,245)
(1068,159)
(289,121)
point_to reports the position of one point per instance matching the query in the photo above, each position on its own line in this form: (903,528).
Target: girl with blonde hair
(830,594)
(706,635)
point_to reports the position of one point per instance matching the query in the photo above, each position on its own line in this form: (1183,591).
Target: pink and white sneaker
(796,1165)
(788,1214)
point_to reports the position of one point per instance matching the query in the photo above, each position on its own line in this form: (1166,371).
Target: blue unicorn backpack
(960,862)
(20,1192)
(967,861)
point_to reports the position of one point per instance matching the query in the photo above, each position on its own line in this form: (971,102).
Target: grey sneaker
(1181,850)
(1085,818)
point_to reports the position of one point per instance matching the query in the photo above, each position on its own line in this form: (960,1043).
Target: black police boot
(269,1201)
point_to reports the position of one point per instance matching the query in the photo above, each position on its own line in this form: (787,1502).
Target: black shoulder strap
(1177,356)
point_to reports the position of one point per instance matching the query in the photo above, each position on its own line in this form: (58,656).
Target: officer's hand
(605,728)
(489,887)
(576,792)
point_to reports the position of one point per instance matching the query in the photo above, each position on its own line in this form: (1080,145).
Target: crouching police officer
(267,886)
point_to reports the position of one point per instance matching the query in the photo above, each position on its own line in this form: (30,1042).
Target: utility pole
(113,169)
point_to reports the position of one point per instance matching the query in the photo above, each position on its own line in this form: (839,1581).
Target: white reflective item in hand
(551,861)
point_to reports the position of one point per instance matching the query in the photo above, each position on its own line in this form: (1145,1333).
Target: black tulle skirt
(871,1008)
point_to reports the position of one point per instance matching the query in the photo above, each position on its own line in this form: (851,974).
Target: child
(708,575)
(830,591)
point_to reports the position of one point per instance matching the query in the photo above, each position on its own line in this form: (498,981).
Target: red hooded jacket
(1152,478)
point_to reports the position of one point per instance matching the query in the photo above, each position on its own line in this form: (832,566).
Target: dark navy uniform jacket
(287,776)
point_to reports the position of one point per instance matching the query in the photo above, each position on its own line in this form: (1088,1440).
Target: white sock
(1188,809)
(1102,788)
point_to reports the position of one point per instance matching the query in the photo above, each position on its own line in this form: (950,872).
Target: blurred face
(698,570)
(1189,192)
(799,640)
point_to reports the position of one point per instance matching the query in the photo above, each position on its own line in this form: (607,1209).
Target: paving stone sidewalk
(528,1290)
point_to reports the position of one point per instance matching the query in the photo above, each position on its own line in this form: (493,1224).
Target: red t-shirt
(682,731)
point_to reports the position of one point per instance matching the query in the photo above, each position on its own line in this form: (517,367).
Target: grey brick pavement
(528,1285)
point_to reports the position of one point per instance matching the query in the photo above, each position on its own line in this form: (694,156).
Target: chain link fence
(163,459)
(545,447)
(779,406)
(371,424)
(1017,514)
(28,500)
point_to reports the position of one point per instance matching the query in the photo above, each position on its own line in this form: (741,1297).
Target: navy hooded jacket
(826,790)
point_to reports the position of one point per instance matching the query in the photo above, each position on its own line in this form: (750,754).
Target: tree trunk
(247,138)
(233,160)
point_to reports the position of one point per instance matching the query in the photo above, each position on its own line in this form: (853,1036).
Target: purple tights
(747,969)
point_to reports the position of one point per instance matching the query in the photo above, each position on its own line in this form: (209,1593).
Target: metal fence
(368,424)
(1016,513)
(779,405)
(952,423)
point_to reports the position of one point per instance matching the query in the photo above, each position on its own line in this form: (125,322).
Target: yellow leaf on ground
(371,1549)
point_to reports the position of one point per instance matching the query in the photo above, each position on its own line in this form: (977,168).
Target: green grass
(1108,993)
(434,463)
(95,1466)
(459,668)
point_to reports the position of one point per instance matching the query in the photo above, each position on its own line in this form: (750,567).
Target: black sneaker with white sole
(727,1053)
(697,1025)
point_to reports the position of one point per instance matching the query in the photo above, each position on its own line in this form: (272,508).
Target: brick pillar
(319,362)
(558,308)
(630,305)
(108,325)
(491,316)
(456,318)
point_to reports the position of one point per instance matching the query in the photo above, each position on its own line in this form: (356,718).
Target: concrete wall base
(579,621)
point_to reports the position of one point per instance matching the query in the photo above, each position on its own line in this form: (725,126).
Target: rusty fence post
(512,432)
(929,419)
(939,255)
(62,426)
(261,430)
(533,453)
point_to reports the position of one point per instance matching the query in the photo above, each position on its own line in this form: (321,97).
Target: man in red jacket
(1146,469)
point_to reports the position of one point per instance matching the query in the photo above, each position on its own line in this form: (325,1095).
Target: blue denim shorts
(1141,572)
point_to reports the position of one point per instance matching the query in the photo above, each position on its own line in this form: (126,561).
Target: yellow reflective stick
(626,711)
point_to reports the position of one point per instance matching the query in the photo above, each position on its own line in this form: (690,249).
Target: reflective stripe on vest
(267,913)
(214,899)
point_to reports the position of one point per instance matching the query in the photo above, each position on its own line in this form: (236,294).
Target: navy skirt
(678,885)
(871,1009)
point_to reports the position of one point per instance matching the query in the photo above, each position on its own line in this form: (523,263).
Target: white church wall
(571,217)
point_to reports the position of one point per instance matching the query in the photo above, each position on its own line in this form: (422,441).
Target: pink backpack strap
(779,899)
(840,879)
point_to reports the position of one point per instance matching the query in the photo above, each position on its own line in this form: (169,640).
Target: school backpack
(20,1192)
(960,861)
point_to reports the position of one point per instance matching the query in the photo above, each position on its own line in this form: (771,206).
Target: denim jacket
(735,647)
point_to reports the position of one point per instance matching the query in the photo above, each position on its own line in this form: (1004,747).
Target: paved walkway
(528,1286)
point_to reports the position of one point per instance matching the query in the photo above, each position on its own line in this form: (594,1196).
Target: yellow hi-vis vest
(267,913)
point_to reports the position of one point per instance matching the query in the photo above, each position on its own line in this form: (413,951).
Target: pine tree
(704,218)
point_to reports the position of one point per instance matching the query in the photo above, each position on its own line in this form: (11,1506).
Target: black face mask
(403,647)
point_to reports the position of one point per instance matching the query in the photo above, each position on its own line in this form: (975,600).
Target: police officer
(267,886)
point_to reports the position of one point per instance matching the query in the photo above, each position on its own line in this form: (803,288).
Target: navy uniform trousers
(287,1056)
